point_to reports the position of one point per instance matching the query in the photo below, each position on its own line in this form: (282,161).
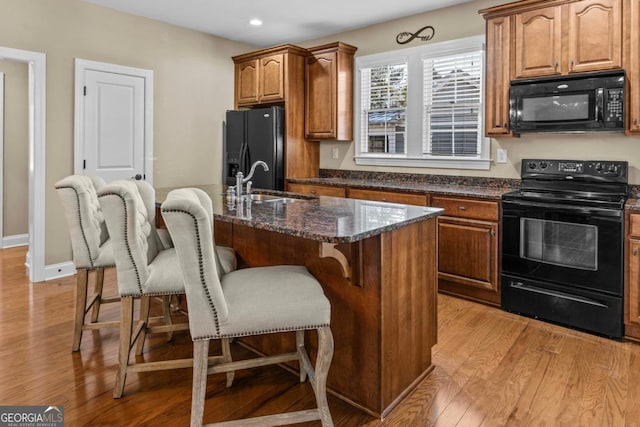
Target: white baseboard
(56,271)
(16,240)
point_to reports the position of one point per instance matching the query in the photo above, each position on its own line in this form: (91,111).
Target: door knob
(138,177)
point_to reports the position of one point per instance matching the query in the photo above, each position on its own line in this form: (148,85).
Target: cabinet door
(538,42)
(316,190)
(321,74)
(468,253)
(632,64)
(272,78)
(388,196)
(497,81)
(633,303)
(247,82)
(595,35)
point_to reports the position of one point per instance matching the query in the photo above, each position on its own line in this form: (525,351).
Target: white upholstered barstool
(250,301)
(145,268)
(91,248)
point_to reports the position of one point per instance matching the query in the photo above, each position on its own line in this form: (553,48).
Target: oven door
(579,247)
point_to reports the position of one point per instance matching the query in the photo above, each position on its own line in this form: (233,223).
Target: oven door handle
(558,294)
(601,212)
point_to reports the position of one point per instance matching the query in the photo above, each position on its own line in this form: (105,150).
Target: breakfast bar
(377,263)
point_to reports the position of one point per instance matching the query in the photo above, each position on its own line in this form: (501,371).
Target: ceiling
(284,21)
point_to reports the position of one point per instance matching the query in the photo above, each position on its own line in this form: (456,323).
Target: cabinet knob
(556,66)
(572,64)
(313,192)
(492,232)
(635,252)
(462,208)
(383,199)
(635,121)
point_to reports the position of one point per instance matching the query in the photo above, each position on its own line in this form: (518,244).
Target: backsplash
(481,181)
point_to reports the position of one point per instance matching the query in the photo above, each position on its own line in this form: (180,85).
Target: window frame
(414,156)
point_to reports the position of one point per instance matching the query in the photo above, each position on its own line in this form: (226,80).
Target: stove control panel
(600,170)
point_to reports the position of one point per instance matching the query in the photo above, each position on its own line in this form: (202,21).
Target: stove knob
(532,165)
(598,167)
(543,165)
(612,168)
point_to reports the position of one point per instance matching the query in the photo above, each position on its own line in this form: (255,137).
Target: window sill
(418,162)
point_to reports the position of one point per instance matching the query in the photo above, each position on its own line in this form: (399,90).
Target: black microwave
(575,103)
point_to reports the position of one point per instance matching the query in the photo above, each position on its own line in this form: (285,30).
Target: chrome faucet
(241,179)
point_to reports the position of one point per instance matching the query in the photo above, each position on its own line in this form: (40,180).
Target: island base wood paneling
(383,329)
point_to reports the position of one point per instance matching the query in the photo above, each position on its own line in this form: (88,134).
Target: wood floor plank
(492,368)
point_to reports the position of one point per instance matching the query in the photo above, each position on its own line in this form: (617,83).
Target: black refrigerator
(252,135)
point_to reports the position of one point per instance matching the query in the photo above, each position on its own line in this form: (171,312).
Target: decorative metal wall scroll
(405,37)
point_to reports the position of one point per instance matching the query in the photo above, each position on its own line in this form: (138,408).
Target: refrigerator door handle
(242,163)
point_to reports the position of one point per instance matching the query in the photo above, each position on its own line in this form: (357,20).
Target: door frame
(82,65)
(1,159)
(37,64)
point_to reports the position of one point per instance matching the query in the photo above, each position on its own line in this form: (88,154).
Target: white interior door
(114,126)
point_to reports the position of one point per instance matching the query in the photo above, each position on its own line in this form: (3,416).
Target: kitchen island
(377,263)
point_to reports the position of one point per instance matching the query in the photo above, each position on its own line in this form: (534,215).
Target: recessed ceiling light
(255,22)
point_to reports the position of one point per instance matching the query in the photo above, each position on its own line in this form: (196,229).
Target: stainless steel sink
(270,198)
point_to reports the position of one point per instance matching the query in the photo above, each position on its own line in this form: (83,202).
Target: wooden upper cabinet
(260,80)
(595,35)
(568,37)
(538,42)
(497,73)
(247,82)
(272,78)
(329,92)
(632,64)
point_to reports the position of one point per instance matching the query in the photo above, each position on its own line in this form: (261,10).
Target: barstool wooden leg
(199,388)
(300,343)
(323,361)
(126,332)
(98,290)
(226,357)
(82,280)
(166,313)
(145,302)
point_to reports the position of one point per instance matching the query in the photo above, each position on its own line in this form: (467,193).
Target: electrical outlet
(335,153)
(501,156)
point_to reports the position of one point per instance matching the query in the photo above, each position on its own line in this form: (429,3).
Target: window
(422,106)
(384,101)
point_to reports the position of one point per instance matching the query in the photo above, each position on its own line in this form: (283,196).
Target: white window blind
(452,120)
(383,120)
(422,106)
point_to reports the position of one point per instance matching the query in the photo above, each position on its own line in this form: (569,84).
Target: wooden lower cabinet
(632,279)
(389,196)
(316,190)
(468,249)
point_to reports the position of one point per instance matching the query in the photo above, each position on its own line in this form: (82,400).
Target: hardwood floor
(492,369)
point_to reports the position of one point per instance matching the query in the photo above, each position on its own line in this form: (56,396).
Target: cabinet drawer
(466,208)
(634,225)
(388,196)
(316,190)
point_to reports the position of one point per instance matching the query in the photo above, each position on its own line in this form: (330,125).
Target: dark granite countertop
(325,219)
(438,189)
